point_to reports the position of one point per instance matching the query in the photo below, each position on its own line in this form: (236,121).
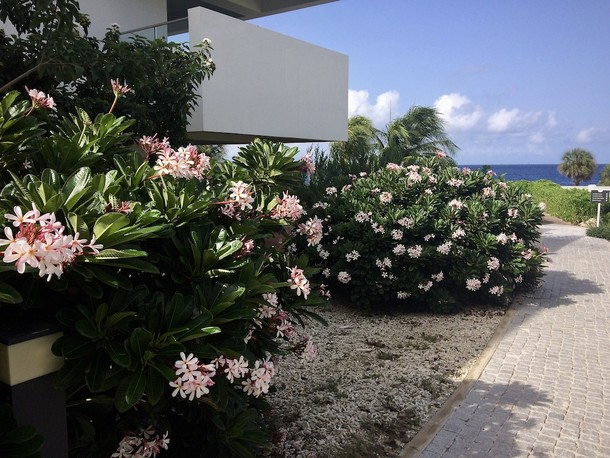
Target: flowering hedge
(427,233)
(157,262)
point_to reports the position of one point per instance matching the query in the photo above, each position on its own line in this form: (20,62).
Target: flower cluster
(312,229)
(185,162)
(288,207)
(148,443)
(40,99)
(194,378)
(40,242)
(298,282)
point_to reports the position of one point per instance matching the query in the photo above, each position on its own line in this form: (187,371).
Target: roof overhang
(240,9)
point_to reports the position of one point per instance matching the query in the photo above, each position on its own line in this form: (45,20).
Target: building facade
(265,85)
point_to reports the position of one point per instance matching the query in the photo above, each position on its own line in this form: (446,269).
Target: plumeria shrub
(167,271)
(425,234)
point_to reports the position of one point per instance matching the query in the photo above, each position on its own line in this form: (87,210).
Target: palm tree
(578,165)
(605,176)
(420,131)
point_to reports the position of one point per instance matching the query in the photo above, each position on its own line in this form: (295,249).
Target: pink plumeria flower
(40,99)
(120,89)
(19,218)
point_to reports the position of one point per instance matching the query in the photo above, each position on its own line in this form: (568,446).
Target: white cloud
(586,135)
(379,112)
(551,120)
(458,112)
(505,120)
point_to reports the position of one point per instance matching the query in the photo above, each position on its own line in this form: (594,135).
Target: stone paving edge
(423,438)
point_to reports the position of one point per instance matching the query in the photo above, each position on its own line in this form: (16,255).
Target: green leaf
(156,385)
(135,387)
(120,254)
(9,295)
(108,224)
(139,341)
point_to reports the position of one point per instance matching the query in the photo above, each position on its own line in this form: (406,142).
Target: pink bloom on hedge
(414,177)
(324,254)
(493,263)
(41,243)
(415,251)
(502,185)
(308,166)
(432,179)
(288,207)
(393,167)
(260,378)
(513,212)
(403,294)
(40,99)
(438,277)
(145,445)
(383,264)
(445,248)
(120,89)
(193,378)
(375,191)
(235,368)
(440,154)
(283,326)
(456,183)
(542,206)
(406,222)
(347,187)
(272,299)
(152,145)
(496,290)
(385,197)
(491,173)
(331,191)
(241,193)
(298,282)
(473,284)
(488,192)
(362,217)
(429,237)
(377,228)
(519,279)
(186,366)
(486,278)
(344,277)
(502,238)
(352,256)
(397,234)
(399,249)
(458,233)
(312,229)
(186,162)
(527,254)
(425,285)
(363,174)
(324,292)
(428,192)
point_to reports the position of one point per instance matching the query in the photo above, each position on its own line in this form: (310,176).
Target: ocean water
(533,172)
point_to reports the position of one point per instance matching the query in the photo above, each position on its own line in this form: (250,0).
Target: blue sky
(516,81)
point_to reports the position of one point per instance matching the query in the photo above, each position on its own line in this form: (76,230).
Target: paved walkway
(546,390)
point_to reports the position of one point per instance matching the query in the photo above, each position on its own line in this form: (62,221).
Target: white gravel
(377,380)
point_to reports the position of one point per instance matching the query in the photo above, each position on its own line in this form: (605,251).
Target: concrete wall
(267,84)
(128,14)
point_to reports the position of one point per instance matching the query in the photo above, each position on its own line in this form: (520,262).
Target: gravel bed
(377,379)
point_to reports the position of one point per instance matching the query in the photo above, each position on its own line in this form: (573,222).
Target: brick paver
(546,390)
